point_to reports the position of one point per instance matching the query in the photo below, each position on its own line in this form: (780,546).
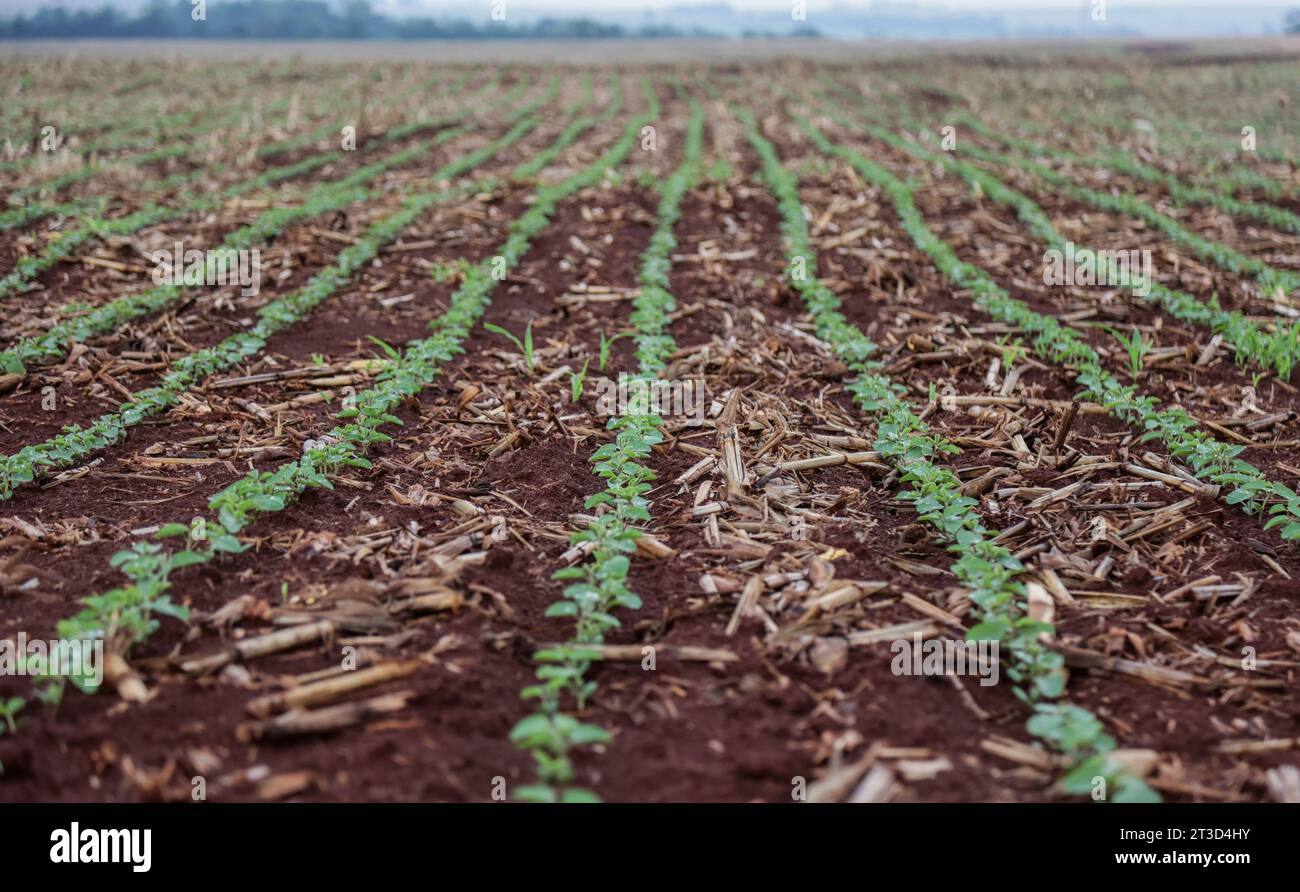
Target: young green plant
(576,381)
(1137,347)
(525,346)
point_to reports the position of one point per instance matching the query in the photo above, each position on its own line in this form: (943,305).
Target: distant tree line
(299,20)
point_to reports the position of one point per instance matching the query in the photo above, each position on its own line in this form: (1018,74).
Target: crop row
(55,341)
(116,130)
(78,442)
(599,585)
(98,227)
(1181,193)
(62,248)
(34,209)
(320,199)
(1211,142)
(1216,140)
(1210,459)
(331,129)
(1278,348)
(575,128)
(179,142)
(127,615)
(1270,278)
(85,172)
(988,570)
(135,119)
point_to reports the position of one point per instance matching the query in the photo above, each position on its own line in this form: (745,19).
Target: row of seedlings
(1210,460)
(78,442)
(988,570)
(56,340)
(1269,278)
(599,585)
(1181,193)
(181,143)
(99,228)
(1277,348)
(127,615)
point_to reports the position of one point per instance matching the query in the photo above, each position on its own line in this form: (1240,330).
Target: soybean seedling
(446,272)
(525,346)
(1137,346)
(576,382)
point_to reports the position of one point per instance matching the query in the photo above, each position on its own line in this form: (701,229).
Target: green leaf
(587,734)
(387,348)
(497,329)
(536,793)
(531,727)
(186,559)
(1133,789)
(224,542)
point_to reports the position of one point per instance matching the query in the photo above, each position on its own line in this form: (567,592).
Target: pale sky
(813,5)
(578,6)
